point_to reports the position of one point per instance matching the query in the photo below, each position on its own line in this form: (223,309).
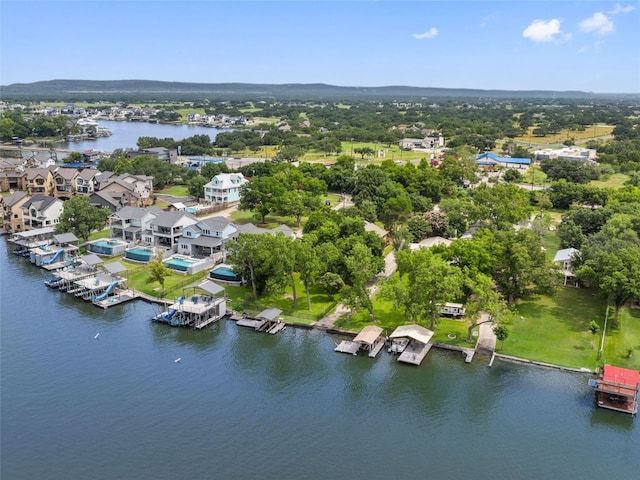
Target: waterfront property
(198,306)
(224,188)
(564,258)
(418,343)
(617,389)
(368,339)
(33,238)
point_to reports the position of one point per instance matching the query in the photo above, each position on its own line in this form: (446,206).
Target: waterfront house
(167,228)
(128,223)
(224,188)
(37,181)
(617,389)
(11,210)
(41,211)
(206,237)
(564,258)
(64,179)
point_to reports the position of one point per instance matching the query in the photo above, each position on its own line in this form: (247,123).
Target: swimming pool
(224,273)
(107,247)
(139,254)
(179,263)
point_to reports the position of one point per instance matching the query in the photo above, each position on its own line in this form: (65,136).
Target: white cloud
(544,31)
(582,50)
(619,8)
(432,32)
(598,23)
(487,20)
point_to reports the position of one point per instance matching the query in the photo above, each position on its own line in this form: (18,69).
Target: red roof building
(618,389)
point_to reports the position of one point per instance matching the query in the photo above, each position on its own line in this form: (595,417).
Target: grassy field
(175,190)
(556,330)
(590,133)
(615,180)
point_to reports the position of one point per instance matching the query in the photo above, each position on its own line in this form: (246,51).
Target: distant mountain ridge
(161,90)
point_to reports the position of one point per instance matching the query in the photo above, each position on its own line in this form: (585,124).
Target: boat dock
(368,339)
(268,321)
(198,309)
(347,346)
(419,343)
(415,352)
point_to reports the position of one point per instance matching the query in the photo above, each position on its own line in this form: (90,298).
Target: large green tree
(81,218)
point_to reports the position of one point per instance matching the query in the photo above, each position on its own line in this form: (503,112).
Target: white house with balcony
(207,237)
(167,228)
(41,211)
(564,259)
(224,188)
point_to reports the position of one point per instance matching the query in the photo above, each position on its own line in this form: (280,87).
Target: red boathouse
(617,389)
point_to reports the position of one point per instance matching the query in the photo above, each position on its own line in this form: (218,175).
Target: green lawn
(241,300)
(389,318)
(173,283)
(556,329)
(615,180)
(618,341)
(551,243)
(175,190)
(105,233)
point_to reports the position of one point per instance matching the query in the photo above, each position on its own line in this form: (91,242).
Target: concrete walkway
(486,343)
(328,321)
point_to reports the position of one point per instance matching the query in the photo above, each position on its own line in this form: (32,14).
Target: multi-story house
(41,211)
(85,182)
(11,172)
(224,188)
(37,181)
(167,227)
(128,223)
(206,237)
(64,179)
(11,209)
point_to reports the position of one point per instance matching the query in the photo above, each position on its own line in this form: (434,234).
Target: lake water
(126,134)
(241,404)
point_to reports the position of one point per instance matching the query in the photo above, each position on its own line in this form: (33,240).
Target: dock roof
(211,287)
(269,314)
(115,267)
(65,238)
(368,335)
(415,332)
(91,259)
(622,376)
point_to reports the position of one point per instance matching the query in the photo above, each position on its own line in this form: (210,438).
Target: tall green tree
(158,271)
(81,218)
(615,275)
(361,268)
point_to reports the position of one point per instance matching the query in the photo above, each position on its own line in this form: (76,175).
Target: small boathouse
(268,320)
(199,306)
(418,344)
(617,389)
(369,339)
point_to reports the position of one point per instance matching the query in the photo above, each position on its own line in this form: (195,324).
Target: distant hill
(149,90)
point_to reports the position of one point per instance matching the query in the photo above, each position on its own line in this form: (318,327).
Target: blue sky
(512,45)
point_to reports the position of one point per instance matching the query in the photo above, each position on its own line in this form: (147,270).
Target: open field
(592,132)
(556,330)
(615,180)
(175,191)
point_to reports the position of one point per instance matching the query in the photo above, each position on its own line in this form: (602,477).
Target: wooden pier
(268,321)
(419,343)
(347,346)
(415,352)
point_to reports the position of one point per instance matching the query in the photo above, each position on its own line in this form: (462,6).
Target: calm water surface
(126,134)
(247,405)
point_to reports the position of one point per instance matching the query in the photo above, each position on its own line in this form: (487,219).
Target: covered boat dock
(617,389)
(196,309)
(418,345)
(369,339)
(268,320)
